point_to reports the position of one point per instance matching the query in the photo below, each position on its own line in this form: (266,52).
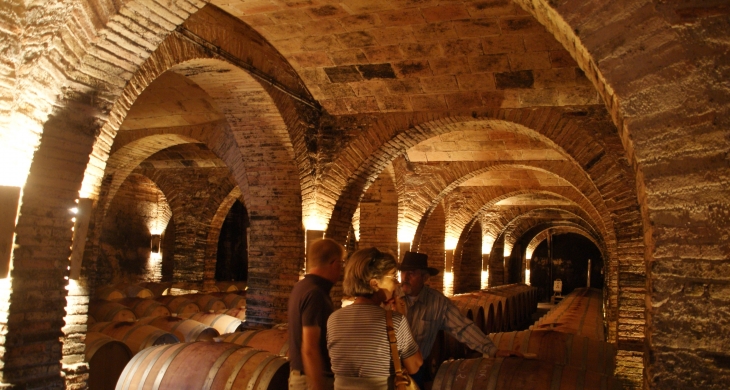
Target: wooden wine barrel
(469,306)
(158,288)
(493,313)
(271,340)
(132,290)
(238,313)
(184,329)
(510,309)
(178,305)
(561,348)
(145,307)
(517,373)
(136,336)
(580,313)
(107,358)
(223,323)
(216,366)
(232,301)
(207,303)
(109,293)
(227,287)
(104,311)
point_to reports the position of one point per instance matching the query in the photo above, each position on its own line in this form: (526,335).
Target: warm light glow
(406,234)
(485,280)
(154,266)
(450,243)
(5,284)
(507,250)
(75,210)
(487,243)
(19,138)
(527,277)
(315,222)
(448,284)
(528,252)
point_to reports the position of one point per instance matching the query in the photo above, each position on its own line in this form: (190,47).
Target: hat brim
(431,271)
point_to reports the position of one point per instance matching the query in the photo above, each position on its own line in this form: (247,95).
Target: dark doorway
(232,258)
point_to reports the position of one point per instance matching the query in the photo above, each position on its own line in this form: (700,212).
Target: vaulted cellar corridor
(180,144)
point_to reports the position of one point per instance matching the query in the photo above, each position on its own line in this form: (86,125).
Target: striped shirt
(430,311)
(358,342)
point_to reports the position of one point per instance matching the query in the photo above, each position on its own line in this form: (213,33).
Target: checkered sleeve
(464,330)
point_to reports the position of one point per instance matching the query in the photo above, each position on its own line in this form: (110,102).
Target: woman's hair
(364,265)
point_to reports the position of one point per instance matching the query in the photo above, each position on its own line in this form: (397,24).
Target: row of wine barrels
(229,287)
(561,348)
(238,313)
(123,290)
(526,295)
(223,323)
(178,305)
(232,301)
(580,313)
(186,330)
(107,358)
(104,311)
(145,307)
(275,341)
(137,336)
(216,366)
(158,288)
(207,303)
(518,373)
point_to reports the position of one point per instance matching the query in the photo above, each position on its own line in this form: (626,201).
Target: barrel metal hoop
(130,332)
(166,365)
(217,365)
(492,383)
(270,371)
(557,377)
(451,373)
(473,374)
(131,368)
(243,360)
(249,336)
(257,372)
(159,352)
(284,348)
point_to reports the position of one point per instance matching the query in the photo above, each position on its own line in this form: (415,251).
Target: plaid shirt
(430,311)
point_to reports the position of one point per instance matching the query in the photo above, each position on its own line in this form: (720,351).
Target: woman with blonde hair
(356,335)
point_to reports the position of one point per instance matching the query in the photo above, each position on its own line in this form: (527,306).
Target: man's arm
(312,357)
(464,330)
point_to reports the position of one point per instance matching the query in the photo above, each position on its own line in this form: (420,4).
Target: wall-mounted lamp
(155,243)
(9,200)
(81,228)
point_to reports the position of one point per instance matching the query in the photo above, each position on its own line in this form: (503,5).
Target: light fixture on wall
(81,228)
(155,243)
(9,200)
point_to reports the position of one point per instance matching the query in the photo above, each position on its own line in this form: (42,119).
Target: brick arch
(495,220)
(467,264)
(216,224)
(192,227)
(542,236)
(453,175)
(583,136)
(523,223)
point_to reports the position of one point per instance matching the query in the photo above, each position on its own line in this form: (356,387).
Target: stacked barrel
(565,349)
(498,309)
(133,318)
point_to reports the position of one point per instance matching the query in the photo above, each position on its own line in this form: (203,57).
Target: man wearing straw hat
(429,311)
